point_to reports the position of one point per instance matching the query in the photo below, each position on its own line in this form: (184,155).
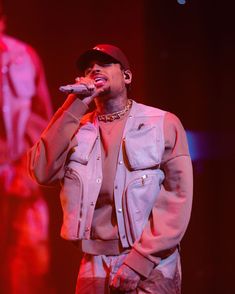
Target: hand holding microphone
(87,88)
(84,87)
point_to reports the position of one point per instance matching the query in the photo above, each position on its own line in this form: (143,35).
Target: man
(126,180)
(25,109)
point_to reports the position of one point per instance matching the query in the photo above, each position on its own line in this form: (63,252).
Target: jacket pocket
(71,201)
(142,148)
(86,138)
(22,75)
(139,200)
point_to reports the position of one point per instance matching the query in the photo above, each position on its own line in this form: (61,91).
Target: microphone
(81,89)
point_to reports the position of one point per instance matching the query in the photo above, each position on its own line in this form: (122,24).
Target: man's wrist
(75,106)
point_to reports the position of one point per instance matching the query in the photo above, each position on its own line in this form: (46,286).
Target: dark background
(182,57)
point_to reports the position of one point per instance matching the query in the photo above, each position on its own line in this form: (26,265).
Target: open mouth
(100,81)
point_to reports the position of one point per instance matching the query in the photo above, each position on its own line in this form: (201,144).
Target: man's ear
(127,76)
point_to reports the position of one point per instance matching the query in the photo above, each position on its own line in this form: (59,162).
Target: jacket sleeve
(171,212)
(47,157)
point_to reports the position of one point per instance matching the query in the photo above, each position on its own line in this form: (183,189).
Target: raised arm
(47,157)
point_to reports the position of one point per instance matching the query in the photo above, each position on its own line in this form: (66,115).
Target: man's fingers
(115,283)
(128,285)
(124,283)
(89,99)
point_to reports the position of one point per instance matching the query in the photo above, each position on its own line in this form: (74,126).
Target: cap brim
(92,54)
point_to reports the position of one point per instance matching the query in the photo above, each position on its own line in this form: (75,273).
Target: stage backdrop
(182,58)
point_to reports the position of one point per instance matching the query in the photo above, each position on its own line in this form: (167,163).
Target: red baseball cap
(105,51)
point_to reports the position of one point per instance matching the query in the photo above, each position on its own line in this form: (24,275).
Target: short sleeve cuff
(139,263)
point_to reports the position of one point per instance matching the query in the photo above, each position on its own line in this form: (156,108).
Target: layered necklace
(115,115)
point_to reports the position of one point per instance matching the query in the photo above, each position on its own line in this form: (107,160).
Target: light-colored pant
(97,272)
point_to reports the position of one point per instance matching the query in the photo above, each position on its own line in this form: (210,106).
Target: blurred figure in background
(25,108)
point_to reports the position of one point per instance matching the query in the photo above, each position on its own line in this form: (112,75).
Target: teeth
(99,79)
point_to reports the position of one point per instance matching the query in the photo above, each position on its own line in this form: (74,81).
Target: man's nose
(95,68)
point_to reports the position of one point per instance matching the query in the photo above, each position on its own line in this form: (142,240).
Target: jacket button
(120,162)
(119,210)
(98,180)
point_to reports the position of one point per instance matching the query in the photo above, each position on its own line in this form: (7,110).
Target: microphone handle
(76,89)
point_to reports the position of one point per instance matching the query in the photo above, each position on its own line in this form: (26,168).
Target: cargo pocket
(142,148)
(139,199)
(71,202)
(22,74)
(86,137)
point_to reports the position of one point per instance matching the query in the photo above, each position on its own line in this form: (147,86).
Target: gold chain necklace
(115,115)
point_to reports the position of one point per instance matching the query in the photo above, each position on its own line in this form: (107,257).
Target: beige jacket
(153,184)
